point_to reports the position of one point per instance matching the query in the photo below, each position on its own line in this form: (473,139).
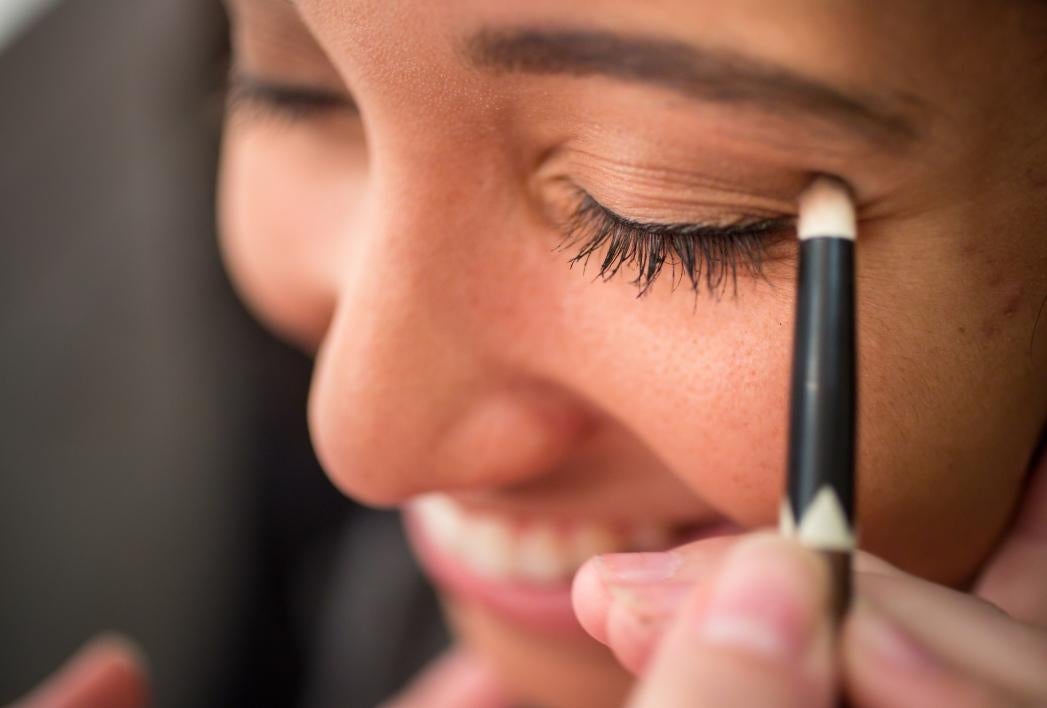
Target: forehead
(829,56)
(772,23)
(892,46)
(860,41)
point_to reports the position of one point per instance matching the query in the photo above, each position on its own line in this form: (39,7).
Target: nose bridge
(393,359)
(409,276)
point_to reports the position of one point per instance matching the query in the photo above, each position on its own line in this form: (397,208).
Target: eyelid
(741,224)
(298,100)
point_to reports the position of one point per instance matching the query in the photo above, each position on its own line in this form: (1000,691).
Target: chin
(537,668)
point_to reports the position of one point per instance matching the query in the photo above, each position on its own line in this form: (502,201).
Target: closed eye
(284,100)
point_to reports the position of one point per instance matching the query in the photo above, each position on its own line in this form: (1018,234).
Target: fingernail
(637,568)
(882,638)
(766,599)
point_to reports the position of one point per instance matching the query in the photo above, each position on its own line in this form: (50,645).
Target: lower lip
(543,608)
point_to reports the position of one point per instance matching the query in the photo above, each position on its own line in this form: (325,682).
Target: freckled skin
(413,251)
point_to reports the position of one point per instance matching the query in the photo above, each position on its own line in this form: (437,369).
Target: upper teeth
(538,551)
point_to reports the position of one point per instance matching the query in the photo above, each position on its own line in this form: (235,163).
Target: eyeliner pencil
(818,507)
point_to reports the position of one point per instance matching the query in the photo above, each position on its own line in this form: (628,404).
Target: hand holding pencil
(764,639)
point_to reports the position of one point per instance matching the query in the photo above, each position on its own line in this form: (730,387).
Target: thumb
(757,635)
(455,680)
(109,672)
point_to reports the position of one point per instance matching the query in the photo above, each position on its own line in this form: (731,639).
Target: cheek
(702,383)
(284,206)
(704,386)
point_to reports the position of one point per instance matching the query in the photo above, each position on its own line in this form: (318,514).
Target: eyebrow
(696,73)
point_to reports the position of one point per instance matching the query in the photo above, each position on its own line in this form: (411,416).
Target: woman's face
(404,187)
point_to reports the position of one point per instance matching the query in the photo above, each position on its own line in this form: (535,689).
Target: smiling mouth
(534,551)
(521,568)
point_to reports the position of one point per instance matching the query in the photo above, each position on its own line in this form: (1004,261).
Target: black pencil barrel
(822,408)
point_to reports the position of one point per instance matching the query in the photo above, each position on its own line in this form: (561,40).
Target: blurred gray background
(155,471)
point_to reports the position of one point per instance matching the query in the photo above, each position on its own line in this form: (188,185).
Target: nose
(425,378)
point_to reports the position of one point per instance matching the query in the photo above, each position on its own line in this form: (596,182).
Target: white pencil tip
(826,209)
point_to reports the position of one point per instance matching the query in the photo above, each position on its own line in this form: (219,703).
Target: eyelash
(709,254)
(285,101)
